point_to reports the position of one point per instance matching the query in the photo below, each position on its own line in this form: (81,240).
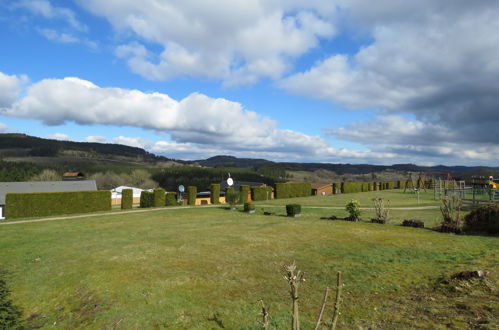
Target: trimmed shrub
(23,205)
(413,223)
(10,314)
(146,199)
(171,199)
(354,187)
(126,199)
(249,207)
(232,198)
(353,209)
(293,189)
(215,193)
(192,192)
(243,193)
(159,197)
(336,188)
(261,193)
(484,219)
(293,210)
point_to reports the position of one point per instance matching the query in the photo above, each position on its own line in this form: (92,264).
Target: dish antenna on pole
(230,182)
(181,188)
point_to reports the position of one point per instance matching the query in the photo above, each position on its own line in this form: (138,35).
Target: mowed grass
(204,268)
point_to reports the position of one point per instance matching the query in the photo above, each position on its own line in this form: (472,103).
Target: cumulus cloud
(10,87)
(3,128)
(238,41)
(96,138)
(61,37)
(435,60)
(45,9)
(59,136)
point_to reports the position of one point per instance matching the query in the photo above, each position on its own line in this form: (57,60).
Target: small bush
(146,199)
(192,192)
(353,209)
(243,192)
(10,314)
(232,198)
(215,193)
(483,219)
(382,209)
(159,197)
(249,207)
(293,210)
(126,199)
(171,199)
(413,223)
(451,214)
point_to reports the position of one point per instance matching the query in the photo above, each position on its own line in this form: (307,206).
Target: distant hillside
(231,161)
(19,145)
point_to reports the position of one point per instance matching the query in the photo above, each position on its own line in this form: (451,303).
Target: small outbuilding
(73,176)
(322,189)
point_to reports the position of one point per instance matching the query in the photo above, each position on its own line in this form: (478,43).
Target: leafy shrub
(215,193)
(22,205)
(232,198)
(249,207)
(192,192)
(293,210)
(159,197)
(353,209)
(171,199)
(484,219)
(10,314)
(243,192)
(126,199)
(146,199)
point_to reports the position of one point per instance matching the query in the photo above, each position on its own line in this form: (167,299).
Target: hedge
(261,193)
(294,189)
(192,192)
(243,193)
(215,193)
(337,188)
(126,199)
(22,205)
(293,210)
(249,206)
(353,187)
(171,199)
(146,199)
(159,197)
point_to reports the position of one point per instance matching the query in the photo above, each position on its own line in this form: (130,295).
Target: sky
(337,81)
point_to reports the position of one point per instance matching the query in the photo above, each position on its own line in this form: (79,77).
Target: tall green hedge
(243,193)
(353,187)
(261,193)
(159,197)
(215,193)
(337,188)
(192,192)
(293,189)
(171,199)
(22,205)
(146,198)
(126,199)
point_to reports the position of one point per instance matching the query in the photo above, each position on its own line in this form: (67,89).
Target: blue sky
(313,81)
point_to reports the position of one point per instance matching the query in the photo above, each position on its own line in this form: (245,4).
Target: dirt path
(66,217)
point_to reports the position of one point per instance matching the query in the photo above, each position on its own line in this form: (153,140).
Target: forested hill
(21,145)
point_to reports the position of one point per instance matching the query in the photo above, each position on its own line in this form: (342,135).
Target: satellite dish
(230,182)
(181,188)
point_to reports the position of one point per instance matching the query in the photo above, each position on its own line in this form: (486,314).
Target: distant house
(322,189)
(73,176)
(116,194)
(42,186)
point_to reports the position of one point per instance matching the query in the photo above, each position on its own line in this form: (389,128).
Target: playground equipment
(494,184)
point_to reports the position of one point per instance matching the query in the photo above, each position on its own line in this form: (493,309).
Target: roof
(44,186)
(320,185)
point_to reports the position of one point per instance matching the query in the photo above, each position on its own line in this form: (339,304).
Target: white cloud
(53,35)
(10,87)
(45,9)
(96,138)
(59,136)
(3,128)
(239,41)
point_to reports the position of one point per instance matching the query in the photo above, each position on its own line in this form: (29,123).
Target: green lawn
(199,268)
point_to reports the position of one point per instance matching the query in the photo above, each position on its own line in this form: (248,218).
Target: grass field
(204,268)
